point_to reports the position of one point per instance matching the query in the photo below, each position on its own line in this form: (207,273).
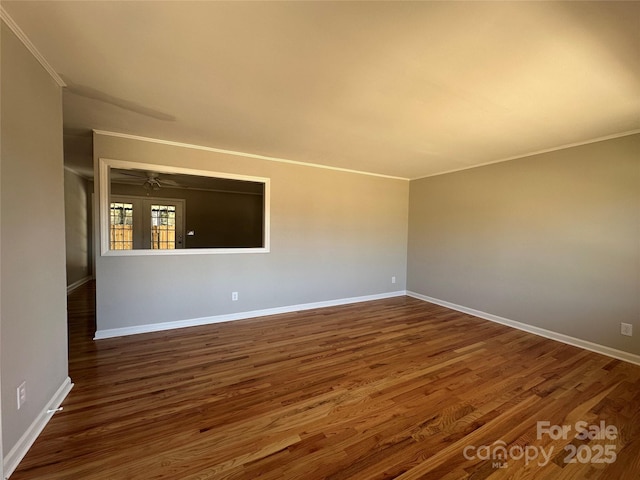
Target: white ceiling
(400,89)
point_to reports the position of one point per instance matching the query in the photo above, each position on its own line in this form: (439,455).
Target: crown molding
(13,26)
(240,154)
(548,150)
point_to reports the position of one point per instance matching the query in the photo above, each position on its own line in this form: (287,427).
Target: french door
(146,223)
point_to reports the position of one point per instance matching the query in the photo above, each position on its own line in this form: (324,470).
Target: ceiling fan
(151,181)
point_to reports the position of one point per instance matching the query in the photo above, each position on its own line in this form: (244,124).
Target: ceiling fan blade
(171,183)
(132,173)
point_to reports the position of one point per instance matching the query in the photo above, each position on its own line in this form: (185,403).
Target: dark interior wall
(224,220)
(219,219)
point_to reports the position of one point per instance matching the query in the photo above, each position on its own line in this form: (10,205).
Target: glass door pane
(121,226)
(163,227)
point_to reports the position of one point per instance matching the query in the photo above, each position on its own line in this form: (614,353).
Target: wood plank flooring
(395,388)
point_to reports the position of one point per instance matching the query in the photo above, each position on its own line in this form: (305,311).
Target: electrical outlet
(393,279)
(234,296)
(626,329)
(21,394)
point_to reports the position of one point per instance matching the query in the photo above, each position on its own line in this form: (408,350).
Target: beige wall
(551,240)
(77,227)
(334,235)
(33,298)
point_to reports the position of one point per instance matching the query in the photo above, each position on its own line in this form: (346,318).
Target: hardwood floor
(395,388)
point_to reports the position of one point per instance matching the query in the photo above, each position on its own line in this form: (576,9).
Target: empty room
(320,240)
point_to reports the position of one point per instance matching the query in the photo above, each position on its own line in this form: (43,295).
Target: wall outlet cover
(21,394)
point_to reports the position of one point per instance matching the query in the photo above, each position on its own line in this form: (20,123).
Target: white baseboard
(20,449)
(560,337)
(193,322)
(79,283)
